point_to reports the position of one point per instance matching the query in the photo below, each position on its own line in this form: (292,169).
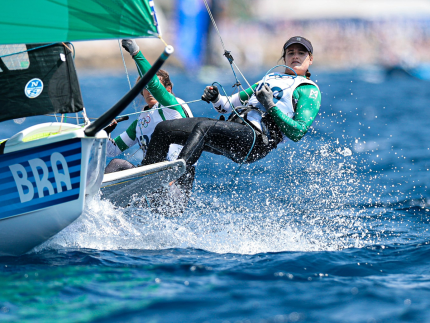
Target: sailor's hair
(308,74)
(164,78)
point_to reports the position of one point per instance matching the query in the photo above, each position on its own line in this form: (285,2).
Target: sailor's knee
(202,126)
(161,128)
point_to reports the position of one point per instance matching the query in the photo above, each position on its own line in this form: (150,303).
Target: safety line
(231,61)
(139,112)
(267,73)
(160,108)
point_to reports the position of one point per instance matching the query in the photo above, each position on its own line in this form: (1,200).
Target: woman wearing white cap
(278,108)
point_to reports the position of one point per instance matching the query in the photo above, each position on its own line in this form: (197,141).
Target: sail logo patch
(33,88)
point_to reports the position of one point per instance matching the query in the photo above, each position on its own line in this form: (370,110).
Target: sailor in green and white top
(280,107)
(158,94)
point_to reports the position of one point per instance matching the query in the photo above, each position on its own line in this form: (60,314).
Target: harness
(270,133)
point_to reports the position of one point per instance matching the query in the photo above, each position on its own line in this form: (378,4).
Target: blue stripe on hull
(10,199)
(5,174)
(47,159)
(27,209)
(16,156)
(36,201)
(10,182)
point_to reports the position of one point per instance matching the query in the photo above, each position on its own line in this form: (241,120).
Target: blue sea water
(331,229)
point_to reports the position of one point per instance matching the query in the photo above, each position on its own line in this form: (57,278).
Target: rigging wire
(230,59)
(28,50)
(164,42)
(254,133)
(141,145)
(39,47)
(70,117)
(214,23)
(234,110)
(138,112)
(227,53)
(242,74)
(126,72)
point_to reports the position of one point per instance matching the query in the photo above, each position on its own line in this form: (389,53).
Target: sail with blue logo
(40,81)
(37,74)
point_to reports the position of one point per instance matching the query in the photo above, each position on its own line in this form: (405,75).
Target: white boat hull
(23,232)
(44,183)
(120,187)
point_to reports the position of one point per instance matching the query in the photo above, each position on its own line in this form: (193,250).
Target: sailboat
(47,171)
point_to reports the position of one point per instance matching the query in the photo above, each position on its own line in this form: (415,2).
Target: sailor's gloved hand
(211,94)
(130,46)
(111,126)
(265,97)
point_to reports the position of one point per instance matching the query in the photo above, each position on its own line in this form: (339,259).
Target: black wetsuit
(297,103)
(230,139)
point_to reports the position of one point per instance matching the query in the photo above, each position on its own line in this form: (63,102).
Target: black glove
(130,46)
(111,127)
(265,97)
(211,94)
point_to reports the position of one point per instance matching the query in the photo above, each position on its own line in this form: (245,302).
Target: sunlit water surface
(331,229)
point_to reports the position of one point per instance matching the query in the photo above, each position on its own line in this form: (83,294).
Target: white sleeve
(223,104)
(185,107)
(171,114)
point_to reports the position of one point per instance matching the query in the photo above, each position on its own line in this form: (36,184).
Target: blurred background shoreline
(386,34)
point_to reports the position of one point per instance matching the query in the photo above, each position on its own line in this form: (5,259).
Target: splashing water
(301,203)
